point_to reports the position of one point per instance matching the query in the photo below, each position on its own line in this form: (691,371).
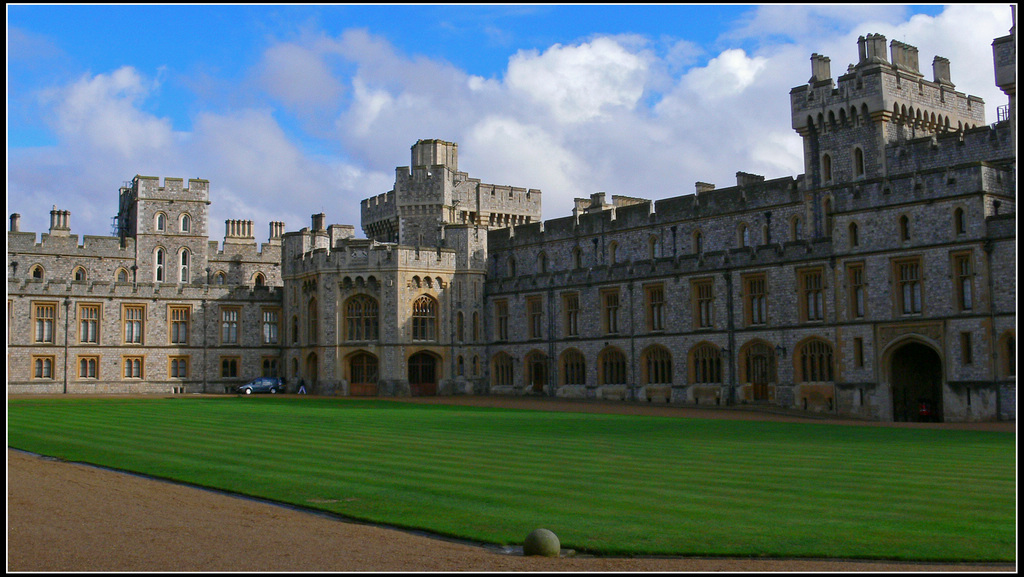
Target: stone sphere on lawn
(542,542)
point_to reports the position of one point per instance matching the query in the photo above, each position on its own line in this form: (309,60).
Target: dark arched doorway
(423,369)
(362,368)
(916,372)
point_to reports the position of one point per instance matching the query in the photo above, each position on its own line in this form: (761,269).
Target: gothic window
(158,272)
(542,263)
(259,279)
(219,278)
(122,275)
(574,368)
(87,367)
(80,274)
(133,367)
(964,282)
(363,369)
(613,248)
(744,235)
(815,362)
(179,324)
(460,327)
(854,234)
(511,267)
(652,247)
(705,364)
(657,365)
(229,319)
(908,286)
(755,299)
(826,168)
(703,298)
(571,308)
(796,228)
(89,324)
(577,258)
(610,311)
(501,376)
(857,291)
(501,320)
(654,296)
(134,323)
(535,314)
(612,362)
(42,367)
(161,222)
(45,314)
(698,242)
(858,162)
(361,318)
(186,259)
(186,223)
(812,294)
(424,319)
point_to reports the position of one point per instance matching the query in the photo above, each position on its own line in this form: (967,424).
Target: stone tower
(170,226)
(879,101)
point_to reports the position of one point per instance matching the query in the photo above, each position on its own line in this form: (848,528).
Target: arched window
(577,258)
(652,247)
(815,358)
(657,365)
(858,162)
(361,318)
(259,279)
(705,364)
(161,222)
(476,327)
(959,222)
(743,234)
(79,274)
(612,363)
(542,263)
(186,223)
(460,327)
(295,330)
(122,275)
(574,368)
(613,248)
(512,266)
(424,319)
(158,271)
(501,373)
(312,322)
(185,260)
(826,209)
(219,278)
(904,228)
(698,242)
(796,228)
(826,168)
(854,234)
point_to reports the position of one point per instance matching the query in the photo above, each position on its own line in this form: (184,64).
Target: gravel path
(72,517)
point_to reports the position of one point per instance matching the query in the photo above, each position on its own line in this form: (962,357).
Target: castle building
(879,284)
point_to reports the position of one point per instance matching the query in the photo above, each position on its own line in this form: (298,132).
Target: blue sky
(293,110)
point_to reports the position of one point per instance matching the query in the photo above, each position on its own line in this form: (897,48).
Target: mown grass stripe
(609,483)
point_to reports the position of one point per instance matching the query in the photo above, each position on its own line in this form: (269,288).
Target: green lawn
(609,484)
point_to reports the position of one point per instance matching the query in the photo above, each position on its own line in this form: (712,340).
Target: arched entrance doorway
(423,374)
(536,371)
(916,381)
(362,371)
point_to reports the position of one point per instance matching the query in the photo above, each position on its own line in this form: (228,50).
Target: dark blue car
(262,385)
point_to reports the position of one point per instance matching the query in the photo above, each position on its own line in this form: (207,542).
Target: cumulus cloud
(580,83)
(102,111)
(299,77)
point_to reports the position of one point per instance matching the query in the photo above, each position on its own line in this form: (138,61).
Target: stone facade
(880,284)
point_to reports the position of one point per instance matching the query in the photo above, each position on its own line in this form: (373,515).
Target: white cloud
(299,77)
(103,112)
(580,83)
(726,75)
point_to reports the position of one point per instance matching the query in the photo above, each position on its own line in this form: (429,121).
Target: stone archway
(915,372)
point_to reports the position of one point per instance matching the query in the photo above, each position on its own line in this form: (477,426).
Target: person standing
(302,387)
